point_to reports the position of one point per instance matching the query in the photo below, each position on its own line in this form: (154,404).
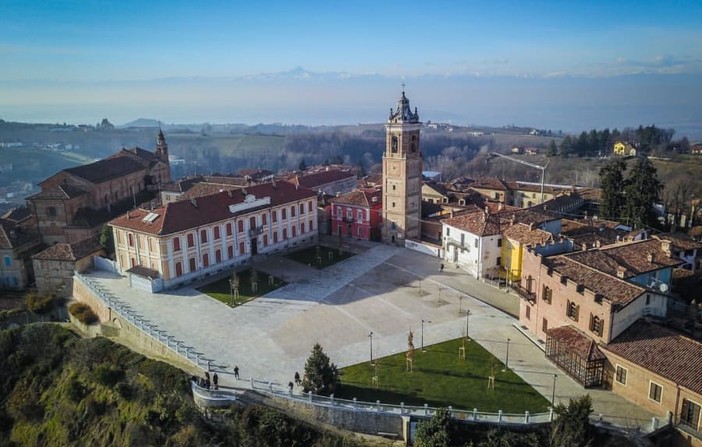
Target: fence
(277,390)
(124,311)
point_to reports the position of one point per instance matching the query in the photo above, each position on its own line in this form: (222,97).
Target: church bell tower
(402,175)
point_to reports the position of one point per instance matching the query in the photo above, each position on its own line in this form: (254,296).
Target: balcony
(524,293)
(256,231)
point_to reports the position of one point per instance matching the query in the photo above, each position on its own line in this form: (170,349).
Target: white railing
(126,312)
(278,390)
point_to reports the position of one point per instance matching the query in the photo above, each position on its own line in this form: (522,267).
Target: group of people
(298,381)
(206,382)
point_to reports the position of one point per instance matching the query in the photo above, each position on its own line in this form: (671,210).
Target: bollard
(426,408)
(599,419)
(402,407)
(354,403)
(252,384)
(475,414)
(331,398)
(526,417)
(309,396)
(654,423)
(550,414)
(499,416)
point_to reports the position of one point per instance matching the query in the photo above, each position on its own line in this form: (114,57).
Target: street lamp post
(507,357)
(370,338)
(424,321)
(460,304)
(516,160)
(553,395)
(231,292)
(467,316)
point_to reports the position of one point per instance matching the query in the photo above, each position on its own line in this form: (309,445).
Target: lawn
(221,291)
(441,378)
(319,257)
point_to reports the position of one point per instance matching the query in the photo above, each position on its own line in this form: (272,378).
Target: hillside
(60,390)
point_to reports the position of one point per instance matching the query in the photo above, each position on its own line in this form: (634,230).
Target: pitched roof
(632,256)
(527,235)
(613,289)
(438,188)
(107,169)
(577,342)
(317,179)
(187,214)
(477,222)
(12,236)
(63,192)
(18,214)
(661,351)
(490,183)
(359,197)
(69,252)
(182,185)
(680,241)
(206,189)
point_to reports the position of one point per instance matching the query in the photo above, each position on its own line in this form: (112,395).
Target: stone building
(55,265)
(402,175)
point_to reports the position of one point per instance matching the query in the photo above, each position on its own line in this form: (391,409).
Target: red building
(357,214)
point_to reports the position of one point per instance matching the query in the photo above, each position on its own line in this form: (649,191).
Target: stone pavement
(384,290)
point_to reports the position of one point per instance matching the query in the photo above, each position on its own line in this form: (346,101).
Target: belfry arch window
(394,144)
(413,144)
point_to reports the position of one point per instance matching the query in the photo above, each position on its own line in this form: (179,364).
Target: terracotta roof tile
(680,241)
(107,169)
(527,235)
(12,236)
(184,215)
(317,179)
(577,342)
(611,288)
(633,256)
(64,192)
(661,351)
(70,252)
(358,197)
(490,183)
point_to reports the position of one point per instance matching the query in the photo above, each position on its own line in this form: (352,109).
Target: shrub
(83,313)
(40,304)
(108,375)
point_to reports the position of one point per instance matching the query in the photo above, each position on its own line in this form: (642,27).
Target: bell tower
(161,147)
(402,175)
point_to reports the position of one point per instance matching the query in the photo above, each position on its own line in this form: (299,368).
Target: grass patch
(319,257)
(221,290)
(440,378)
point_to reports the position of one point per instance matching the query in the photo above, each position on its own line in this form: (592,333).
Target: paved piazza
(385,290)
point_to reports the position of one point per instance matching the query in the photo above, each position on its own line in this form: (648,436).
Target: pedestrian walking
(441,268)
(207,376)
(236,372)
(215,381)
(297,378)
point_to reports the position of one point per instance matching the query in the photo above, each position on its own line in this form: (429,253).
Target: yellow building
(516,238)
(624,148)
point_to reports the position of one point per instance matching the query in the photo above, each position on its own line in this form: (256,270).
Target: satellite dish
(663,287)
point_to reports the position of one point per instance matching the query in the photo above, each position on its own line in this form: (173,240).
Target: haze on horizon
(557,65)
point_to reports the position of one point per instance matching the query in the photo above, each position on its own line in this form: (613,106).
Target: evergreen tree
(552,149)
(302,167)
(612,184)
(435,432)
(642,192)
(107,241)
(571,428)
(321,376)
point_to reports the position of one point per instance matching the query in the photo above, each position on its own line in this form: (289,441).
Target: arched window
(176,244)
(413,144)
(191,240)
(179,269)
(394,144)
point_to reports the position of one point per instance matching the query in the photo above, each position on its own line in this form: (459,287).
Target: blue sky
(309,61)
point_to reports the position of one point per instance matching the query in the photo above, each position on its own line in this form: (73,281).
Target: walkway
(385,290)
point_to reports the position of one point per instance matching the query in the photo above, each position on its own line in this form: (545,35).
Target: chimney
(665,245)
(649,257)
(621,271)
(598,243)
(584,247)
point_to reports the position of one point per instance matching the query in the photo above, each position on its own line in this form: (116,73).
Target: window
(393,144)
(241,248)
(448,232)
(191,240)
(302,209)
(547,294)
(230,252)
(285,233)
(130,237)
(499,261)
(311,227)
(413,144)
(275,237)
(580,289)
(394,187)
(648,299)
(690,414)
(176,244)
(264,219)
(292,211)
(528,312)
(179,269)
(8,261)
(620,375)
(309,206)
(203,235)
(463,239)
(544,325)
(596,324)
(655,391)
(192,264)
(240,224)
(393,204)
(564,279)
(302,227)
(274,216)
(229,229)
(265,240)
(218,256)
(206,260)
(359,215)
(572,310)
(349,214)
(476,242)
(51,211)
(598,298)
(499,242)
(284,213)
(294,231)
(216,232)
